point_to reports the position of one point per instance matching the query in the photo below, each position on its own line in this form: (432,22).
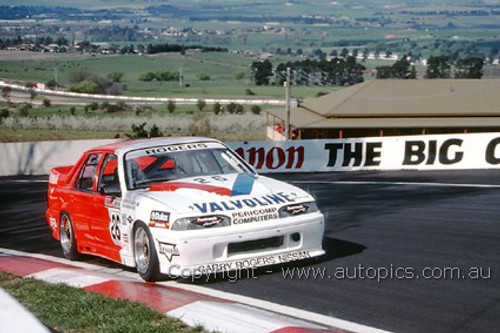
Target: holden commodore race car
(179,207)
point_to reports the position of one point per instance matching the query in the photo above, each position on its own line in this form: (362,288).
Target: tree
(171,106)
(384,72)
(469,68)
(262,71)
(401,69)
(344,53)
(438,68)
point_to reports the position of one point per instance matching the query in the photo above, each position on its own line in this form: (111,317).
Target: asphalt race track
(406,251)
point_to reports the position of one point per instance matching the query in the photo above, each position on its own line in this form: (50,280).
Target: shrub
(203,77)
(155,132)
(4,113)
(231,108)
(85,87)
(139,131)
(47,102)
(24,111)
(147,77)
(93,106)
(256,109)
(115,76)
(201,104)
(239,75)
(217,108)
(121,106)
(321,93)
(171,106)
(240,109)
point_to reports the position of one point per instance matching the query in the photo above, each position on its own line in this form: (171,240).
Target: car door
(81,201)
(106,223)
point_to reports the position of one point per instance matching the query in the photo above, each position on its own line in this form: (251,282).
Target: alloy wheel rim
(141,243)
(66,234)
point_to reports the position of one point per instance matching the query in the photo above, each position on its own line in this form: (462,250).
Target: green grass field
(222,69)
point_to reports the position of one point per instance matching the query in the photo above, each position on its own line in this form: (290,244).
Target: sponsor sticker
(159,219)
(256,215)
(237,204)
(167,149)
(255,262)
(53,223)
(169,250)
(159,216)
(112,202)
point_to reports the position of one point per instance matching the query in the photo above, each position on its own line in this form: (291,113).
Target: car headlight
(298,209)
(201,222)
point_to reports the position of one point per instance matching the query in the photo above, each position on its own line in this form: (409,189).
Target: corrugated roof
(302,118)
(402,103)
(418,98)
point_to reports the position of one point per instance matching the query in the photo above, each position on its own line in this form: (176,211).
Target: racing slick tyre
(146,259)
(67,237)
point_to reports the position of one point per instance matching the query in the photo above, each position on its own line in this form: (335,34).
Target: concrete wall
(432,152)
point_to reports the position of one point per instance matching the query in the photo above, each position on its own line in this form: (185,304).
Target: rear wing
(60,175)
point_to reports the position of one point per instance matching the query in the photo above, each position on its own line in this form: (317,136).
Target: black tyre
(146,259)
(67,237)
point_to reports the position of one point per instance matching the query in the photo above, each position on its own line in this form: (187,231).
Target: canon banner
(429,152)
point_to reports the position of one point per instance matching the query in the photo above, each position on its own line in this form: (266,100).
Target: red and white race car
(179,206)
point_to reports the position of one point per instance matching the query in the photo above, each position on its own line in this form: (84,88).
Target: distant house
(394,107)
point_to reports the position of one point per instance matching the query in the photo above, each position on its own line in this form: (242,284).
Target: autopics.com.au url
(389,273)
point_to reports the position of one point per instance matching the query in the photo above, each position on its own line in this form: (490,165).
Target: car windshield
(163,163)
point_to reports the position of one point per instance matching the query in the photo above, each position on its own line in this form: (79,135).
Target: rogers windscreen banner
(429,152)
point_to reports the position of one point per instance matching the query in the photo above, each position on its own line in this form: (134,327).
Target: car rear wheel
(67,237)
(146,259)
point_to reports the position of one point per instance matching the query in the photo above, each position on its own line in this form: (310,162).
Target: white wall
(430,152)
(37,158)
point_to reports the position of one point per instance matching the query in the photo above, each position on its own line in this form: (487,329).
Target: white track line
(340,182)
(284,310)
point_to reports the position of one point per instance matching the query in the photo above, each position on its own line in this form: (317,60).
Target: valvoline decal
(236,204)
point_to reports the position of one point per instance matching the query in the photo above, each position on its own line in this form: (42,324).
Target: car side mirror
(112,190)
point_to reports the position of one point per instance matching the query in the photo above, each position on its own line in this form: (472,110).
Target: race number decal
(114,227)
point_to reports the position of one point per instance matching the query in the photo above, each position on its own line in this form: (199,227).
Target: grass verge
(37,134)
(66,309)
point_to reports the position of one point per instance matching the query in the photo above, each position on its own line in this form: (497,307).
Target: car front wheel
(146,259)
(67,237)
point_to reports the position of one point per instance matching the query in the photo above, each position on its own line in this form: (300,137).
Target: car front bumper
(191,253)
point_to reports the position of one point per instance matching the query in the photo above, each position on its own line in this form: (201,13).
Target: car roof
(128,145)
